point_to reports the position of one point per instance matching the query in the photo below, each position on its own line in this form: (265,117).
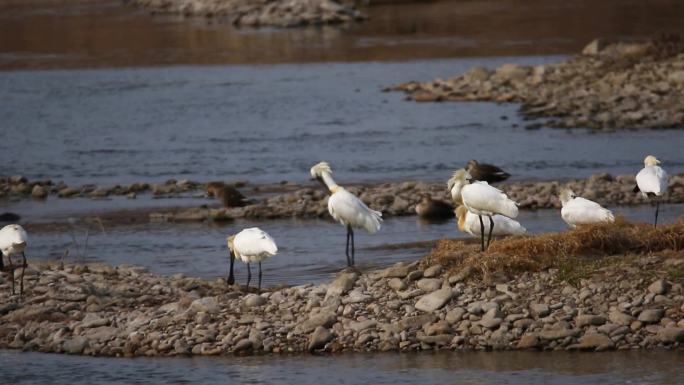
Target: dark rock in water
(486,172)
(432,209)
(9,217)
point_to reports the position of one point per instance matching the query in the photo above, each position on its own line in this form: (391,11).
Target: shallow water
(553,368)
(273,122)
(309,250)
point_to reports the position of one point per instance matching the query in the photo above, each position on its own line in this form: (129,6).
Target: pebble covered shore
(261,13)
(616,86)
(636,303)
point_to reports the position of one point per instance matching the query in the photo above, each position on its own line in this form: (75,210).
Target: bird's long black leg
(491,228)
(249,275)
(231,276)
(23,268)
(482,232)
(655,224)
(11,271)
(346,250)
(259,288)
(351,231)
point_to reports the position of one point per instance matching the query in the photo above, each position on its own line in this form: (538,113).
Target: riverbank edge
(634,303)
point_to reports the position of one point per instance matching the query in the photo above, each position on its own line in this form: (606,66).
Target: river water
(550,368)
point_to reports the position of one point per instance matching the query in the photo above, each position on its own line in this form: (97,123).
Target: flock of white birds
(474,199)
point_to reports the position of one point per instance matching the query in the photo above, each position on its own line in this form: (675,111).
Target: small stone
(528,341)
(253,300)
(319,338)
(589,319)
(651,315)
(342,284)
(399,270)
(435,300)
(432,271)
(39,192)
(454,315)
(540,309)
(206,304)
(325,319)
(671,334)
(620,318)
(429,284)
(396,284)
(243,345)
(595,341)
(362,325)
(75,345)
(92,320)
(660,286)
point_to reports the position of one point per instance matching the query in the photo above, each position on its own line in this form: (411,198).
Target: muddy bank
(125,311)
(260,13)
(616,86)
(291,200)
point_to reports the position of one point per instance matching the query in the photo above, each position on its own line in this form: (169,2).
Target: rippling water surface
(553,368)
(273,122)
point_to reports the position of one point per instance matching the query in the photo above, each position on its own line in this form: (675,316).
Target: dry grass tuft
(576,253)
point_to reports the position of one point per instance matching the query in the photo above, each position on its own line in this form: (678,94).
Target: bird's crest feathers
(566,195)
(651,161)
(320,168)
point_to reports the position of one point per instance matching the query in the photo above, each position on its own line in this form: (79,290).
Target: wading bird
(481,199)
(468,223)
(486,172)
(433,209)
(346,208)
(578,211)
(13,240)
(250,245)
(652,182)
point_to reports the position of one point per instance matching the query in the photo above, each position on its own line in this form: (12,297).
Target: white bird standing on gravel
(652,182)
(481,199)
(250,245)
(13,240)
(468,223)
(346,208)
(578,211)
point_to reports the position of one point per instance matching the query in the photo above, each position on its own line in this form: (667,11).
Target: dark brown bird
(227,194)
(432,209)
(486,172)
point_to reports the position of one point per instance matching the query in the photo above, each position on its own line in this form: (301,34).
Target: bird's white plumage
(482,199)
(348,209)
(578,211)
(470,223)
(652,179)
(13,240)
(253,245)
(345,207)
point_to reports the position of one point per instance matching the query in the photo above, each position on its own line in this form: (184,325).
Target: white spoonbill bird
(346,208)
(13,240)
(250,245)
(481,199)
(578,211)
(468,223)
(652,182)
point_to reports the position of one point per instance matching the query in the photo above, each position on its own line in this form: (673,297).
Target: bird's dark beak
(231,276)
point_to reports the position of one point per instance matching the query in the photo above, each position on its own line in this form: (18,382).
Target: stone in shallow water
(319,338)
(75,345)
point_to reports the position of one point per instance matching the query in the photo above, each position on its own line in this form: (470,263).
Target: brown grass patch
(576,253)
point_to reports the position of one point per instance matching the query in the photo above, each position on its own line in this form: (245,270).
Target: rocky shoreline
(637,302)
(261,13)
(291,200)
(609,86)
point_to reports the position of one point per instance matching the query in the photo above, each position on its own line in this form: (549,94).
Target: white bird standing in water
(13,240)
(468,223)
(250,245)
(346,208)
(481,199)
(578,211)
(652,182)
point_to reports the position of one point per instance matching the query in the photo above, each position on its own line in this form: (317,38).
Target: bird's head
(229,241)
(471,164)
(566,195)
(318,170)
(651,161)
(456,183)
